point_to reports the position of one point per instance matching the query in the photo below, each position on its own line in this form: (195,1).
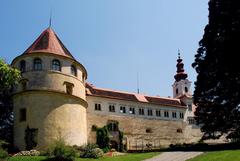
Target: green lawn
(128,157)
(227,155)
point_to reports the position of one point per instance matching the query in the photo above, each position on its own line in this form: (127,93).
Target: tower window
(83,77)
(177,91)
(186,89)
(97,107)
(69,87)
(132,110)
(73,70)
(24,85)
(22,66)
(56,65)
(22,115)
(37,64)
(111,108)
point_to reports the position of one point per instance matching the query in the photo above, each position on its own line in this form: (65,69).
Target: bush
(91,151)
(60,152)
(3,155)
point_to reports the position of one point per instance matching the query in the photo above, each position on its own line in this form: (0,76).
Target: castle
(54,100)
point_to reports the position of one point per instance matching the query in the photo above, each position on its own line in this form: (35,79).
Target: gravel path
(174,156)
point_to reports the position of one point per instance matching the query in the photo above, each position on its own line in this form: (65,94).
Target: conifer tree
(217,92)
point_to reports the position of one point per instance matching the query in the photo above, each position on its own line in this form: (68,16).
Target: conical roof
(48,42)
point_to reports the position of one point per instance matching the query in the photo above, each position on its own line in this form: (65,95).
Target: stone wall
(53,114)
(164,131)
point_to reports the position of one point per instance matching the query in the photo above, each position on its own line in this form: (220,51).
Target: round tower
(50,101)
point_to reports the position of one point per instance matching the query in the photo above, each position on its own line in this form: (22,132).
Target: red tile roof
(107,93)
(48,42)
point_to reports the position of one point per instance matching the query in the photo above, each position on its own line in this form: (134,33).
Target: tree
(217,92)
(8,78)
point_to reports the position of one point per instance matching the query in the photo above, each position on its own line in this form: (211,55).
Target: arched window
(73,70)
(186,89)
(22,66)
(56,65)
(37,64)
(177,91)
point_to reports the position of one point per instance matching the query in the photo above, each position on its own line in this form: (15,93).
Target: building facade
(53,100)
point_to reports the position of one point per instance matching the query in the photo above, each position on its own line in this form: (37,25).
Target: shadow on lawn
(197,147)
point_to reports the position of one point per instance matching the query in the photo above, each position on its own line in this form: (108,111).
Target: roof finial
(50,19)
(179,55)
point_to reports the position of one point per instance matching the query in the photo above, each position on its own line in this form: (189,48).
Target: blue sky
(113,39)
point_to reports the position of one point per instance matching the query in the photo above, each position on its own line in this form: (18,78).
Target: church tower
(50,101)
(181,86)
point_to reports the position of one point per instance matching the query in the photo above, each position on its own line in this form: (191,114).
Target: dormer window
(69,87)
(22,66)
(56,65)
(37,64)
(73,70)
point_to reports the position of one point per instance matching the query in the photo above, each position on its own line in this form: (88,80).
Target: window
(83,77)
(179,130)
(56,65)
(191,121)
(122,109)
(31,135)
(111,108)
(24,85)
(132,110)
(97,107)
(73,70)
(150,112)
(112,126)
(177,91)
(22,115)
(174,115)
(189,107)
(158,113)
(69,87)
(141,111)
(186,89)
(148,130)
(166,114)
(181,115)
(37,64)
(22,66)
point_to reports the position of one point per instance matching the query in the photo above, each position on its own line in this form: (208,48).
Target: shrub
(60,152)
(91,151)
(103,137)
(3,155)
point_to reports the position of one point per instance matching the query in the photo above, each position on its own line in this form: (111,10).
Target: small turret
(181,85)
(180,70)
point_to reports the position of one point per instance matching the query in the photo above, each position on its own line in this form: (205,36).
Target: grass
(226,155)
(128,157)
